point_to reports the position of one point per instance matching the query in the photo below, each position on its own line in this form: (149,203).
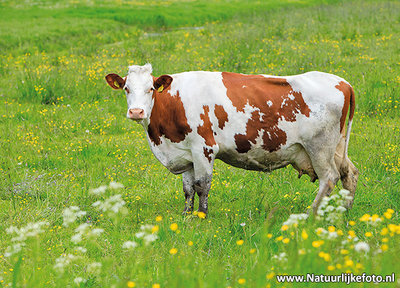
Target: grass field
(63,133)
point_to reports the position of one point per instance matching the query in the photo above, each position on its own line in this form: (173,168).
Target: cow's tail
(352,107)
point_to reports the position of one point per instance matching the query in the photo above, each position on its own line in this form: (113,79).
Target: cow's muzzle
(136,114)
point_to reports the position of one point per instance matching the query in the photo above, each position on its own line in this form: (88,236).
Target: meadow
(65,144)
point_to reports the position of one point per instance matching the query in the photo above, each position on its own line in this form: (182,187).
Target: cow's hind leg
(323,162)
(188,188)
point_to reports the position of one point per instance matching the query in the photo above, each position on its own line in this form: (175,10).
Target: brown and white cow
(255,122)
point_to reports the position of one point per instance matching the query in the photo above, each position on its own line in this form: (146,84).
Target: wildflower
(174,227)
(158,218)
(304,234)
(71,213)
(365,218)
(302,251)
(241,281)
(201,215)
(79,280)
(173,251)
(239,242)
(155,229)
(294,220)
(286,240)
(99,190)
(284,227)
(112,204)
(270,275)
(243,224)
(130,284)
(348,263)
(352,223)
(281,257)
(385,247)
(115,185)
(368,234)
(317,243)
(190,243)
(149,238)
(94,268)
(331,267)
(252,251)
(361,247)
(269,235)
(156,285)
(63,261)
(129,245)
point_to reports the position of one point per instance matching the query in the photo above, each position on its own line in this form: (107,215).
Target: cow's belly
(261,160)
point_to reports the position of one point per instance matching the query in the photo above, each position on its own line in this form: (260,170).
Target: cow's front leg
(203,167)
(188,188)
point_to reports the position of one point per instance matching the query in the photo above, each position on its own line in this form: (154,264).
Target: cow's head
(139,86)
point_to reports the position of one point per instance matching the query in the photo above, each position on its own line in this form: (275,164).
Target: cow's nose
(136,114)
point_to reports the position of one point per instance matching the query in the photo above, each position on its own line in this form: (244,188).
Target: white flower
(82,228)
(112,204)
(81,249)
(150,238)
(99,190)
(140,234)
(361,247)
(129,245)
(243,224)
(115,185)
(63,261)
(295,219)
(76,238)
(70,214)
(96,232)
(94,268)
(79,280)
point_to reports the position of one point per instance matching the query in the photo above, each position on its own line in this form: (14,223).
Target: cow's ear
(115,81)
(162,82)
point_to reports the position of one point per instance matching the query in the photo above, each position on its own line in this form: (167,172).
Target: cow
(254,122)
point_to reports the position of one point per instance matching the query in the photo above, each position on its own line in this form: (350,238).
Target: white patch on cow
(244,86)
(291,96)
(269,103)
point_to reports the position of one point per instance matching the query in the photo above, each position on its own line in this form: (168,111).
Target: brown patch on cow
(168,118)
(205,130)
(207,152)
(221,115)
(347,92)
(257,91)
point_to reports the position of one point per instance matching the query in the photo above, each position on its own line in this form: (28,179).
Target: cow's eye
(127,90)
(150,90)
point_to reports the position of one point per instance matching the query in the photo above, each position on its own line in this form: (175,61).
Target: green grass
(64,132)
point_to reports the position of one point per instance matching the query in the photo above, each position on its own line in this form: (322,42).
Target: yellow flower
(269,235)
(348,263)
(368,234)
(384,231)
(331,268)
(201,215)
(391,211)
(340,232)
(302,251)
(174,227)
(344,251)
(304,234)
(270,275)
(374,217)
(242,281)
(352,234)
(286,240)
(239,242)
(190,243)
(392,227)
(155,229)
(365,217)
(159,218)
(284,227)
(130,284)
(317,244)
(385,240)
(352,223)
(331,229)
(173,251)
(387,215)
(252,251)
(385,247)
(279,238)
(156,285)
